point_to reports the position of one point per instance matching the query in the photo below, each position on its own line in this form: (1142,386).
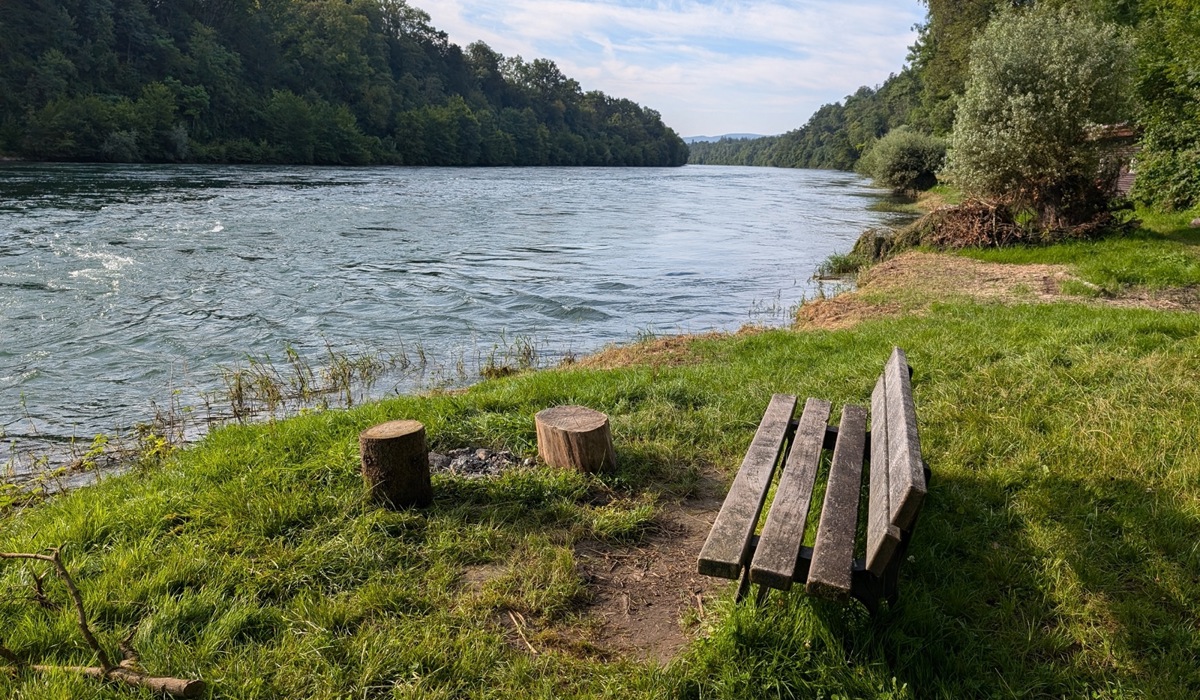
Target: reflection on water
(120,284)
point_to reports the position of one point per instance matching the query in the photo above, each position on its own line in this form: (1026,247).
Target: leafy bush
(905,160)
(1038,79)
(1167,178)
(1168,168)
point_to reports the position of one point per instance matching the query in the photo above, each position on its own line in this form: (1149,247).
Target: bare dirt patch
(669,351)
(918,279)
(1176,299)
(948,274)
(842,312)
(475,576)
(642,595)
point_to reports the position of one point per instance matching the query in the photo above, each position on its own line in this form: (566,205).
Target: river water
(125,285)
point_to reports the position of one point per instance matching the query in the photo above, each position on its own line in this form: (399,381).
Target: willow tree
(1040,80)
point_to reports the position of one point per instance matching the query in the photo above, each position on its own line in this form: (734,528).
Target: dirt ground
(923,277)
(648,599)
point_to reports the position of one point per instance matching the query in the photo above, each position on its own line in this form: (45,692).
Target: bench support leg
(743,585)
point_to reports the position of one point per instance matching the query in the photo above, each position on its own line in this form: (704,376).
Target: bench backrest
(897,470)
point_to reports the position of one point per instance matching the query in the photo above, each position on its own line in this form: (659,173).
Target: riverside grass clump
(1056,555)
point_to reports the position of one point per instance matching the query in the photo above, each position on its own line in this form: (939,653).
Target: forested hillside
(294,81)
(926,93)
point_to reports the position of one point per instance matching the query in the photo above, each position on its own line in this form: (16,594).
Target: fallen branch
(177,687)
(127,671)
(55,558)
(10,657)
(39,593)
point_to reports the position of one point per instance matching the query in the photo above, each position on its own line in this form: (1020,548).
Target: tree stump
(575,437)
(395,463)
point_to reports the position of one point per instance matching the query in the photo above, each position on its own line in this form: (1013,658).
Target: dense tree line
(294,81)
(834,137)
(927,93)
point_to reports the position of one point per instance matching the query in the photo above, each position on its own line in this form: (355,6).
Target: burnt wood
(833,553)
(727,549)
(898,481)
(778,549)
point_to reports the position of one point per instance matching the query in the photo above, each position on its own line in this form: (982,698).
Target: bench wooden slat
(829,575)
(779,545)
(726,549)
(906,473)
(882,535)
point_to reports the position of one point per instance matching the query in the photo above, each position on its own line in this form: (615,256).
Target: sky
(710,67)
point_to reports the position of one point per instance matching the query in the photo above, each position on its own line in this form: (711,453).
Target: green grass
(1164,252)
(895,204)
(841,265)
(1056,555)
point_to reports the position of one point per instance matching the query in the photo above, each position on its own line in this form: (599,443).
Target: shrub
(1166,177)
(905,160)
(1038,79)
(1168,168)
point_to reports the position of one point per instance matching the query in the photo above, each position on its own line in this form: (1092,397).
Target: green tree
(70,128)
(1039,79)
(51,78)
(1169,87)
(291,127)
(905,160)
(303,81)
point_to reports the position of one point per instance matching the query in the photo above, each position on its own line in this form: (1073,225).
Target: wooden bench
(777,558)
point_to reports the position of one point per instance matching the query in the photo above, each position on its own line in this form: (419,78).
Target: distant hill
(284,81)
(706,139)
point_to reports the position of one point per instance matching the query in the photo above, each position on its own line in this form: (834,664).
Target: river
(126,285)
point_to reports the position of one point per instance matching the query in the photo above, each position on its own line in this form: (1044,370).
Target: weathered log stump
(575,437)
(395,463)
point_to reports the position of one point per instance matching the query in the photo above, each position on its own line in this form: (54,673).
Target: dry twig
(521,633)
(127,671)
(39,593)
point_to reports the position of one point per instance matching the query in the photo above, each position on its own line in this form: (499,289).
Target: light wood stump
(575,437)
(395,463)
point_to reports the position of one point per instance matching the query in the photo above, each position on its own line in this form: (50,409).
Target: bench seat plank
(778,549)
(882,536)
(726,550)
(829,575)
(906,476)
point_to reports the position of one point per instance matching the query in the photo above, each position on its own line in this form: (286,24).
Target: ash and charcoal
(475,462)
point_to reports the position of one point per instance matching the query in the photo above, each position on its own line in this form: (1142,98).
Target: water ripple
(119,284)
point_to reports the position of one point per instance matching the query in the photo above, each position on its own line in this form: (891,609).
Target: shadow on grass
(1052,588)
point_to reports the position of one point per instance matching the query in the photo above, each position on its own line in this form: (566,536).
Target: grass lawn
(1056,554)
(1163,252)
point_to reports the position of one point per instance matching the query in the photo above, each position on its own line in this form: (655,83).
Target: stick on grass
(126,672)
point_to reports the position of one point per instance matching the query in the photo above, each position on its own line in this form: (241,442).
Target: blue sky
(710,66)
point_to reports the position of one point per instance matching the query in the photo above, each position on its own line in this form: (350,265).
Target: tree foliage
(1038,80)
(1169,88)
(905,160)
(295,81)
(834,137)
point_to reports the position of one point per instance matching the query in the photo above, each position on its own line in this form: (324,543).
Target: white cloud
(710,67)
